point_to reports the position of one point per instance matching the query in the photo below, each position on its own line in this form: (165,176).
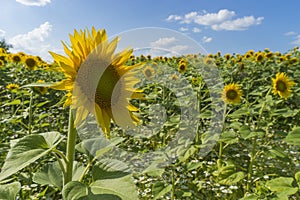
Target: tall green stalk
(30,113)
(225,113)
(253,152)
(71,142)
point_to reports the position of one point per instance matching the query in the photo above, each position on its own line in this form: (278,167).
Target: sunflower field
(68,135)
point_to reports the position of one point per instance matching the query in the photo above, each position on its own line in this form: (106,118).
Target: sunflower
(232,93)
(97,80)
(30,62)
(293,61)
(250,52)
(208,61)
(148,72)
(15,58)
(259,57)
(282,85)
(182,67)
(174,77)
(269,55)
(12,86)
(227,56)
(2,50)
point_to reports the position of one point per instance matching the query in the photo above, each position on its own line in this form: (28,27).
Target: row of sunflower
(29,61)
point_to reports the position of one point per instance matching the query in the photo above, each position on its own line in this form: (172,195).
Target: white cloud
(178,49)
(183,29)
(290,33)
(33,42)
(173,18)
(162,42)
(239,24)
(2,33)
(206,39)
(214,18)
(297,40)
(196,30)
(168,46)
(190,17)
(222,20)
(34,2)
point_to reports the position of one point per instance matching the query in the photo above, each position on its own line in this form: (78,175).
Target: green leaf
(108,169)
(108,189)
(232,179)
(49,174)
(78,169)
(258,134)
(159,189)
(297,177)
(249,197)
(96,147)
(75,190)
(240,112)
(154,170)
(188,153)
(123,187)
(27,150)
(236,125)
(245,131)
(14,102)
(113,179)
(9,191)
(282,186)
(229,137)
(277,152)
(194,165)
(293,137)
(285,112)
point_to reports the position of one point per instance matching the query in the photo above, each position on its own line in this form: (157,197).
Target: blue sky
(229,26)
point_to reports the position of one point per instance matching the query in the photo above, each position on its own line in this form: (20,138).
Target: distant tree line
(5,45)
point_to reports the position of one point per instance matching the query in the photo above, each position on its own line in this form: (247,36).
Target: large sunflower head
(282,85)
(97,79)
(232,94)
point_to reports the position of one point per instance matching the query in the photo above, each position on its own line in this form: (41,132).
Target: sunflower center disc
(30,62)
(182,67)
(231,94)
(281,86)
(105,88)
(148,73)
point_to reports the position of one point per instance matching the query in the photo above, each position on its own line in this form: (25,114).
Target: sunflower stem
(219,162)
(199,110)
(253,152)
(30,113)
(70,154)
(173,184)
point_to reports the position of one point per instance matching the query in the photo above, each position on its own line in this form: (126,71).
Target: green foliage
(255,157)
(27,150)
(9,191)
